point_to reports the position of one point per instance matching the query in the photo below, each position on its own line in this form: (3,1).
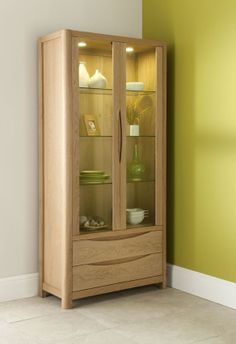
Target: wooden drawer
(102,250)
(101,274)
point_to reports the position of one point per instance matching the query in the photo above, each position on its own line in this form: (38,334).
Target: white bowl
(134,210)
(135,86)
(135,216)
(135,220)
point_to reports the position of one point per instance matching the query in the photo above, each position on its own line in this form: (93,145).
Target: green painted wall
(201,130)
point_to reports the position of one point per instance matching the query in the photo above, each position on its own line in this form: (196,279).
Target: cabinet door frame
(119,137)
(75,137)
(160,135)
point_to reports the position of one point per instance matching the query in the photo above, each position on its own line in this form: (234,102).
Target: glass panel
(141,140)
(95,131)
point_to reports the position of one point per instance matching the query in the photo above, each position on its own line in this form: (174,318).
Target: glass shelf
(106,182)
(141,181)
(110,182)
(140,93)
(87,90)
(109,136)
(142,136)
(94,136)
(108,91)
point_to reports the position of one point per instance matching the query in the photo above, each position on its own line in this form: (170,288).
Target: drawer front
(102,250)
(101,274)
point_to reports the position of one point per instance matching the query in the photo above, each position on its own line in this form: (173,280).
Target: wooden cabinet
(102,131)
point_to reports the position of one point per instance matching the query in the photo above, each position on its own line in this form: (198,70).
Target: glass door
(95,136)
(117,152)
(141,136)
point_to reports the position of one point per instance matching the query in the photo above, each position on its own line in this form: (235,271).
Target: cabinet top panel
(104,37)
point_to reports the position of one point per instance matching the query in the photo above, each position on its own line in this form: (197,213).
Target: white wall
(21,23)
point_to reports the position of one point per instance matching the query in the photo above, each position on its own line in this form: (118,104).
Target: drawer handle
(120,261)
(129,236)
(120,136)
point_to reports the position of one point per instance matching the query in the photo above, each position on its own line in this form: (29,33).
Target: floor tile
(175,328)
(115,312)
(28,308)
(212,340)
(228,338)
(104,337)
(136,305)
(143,315)
(58,326)
(223,319)
(9,335)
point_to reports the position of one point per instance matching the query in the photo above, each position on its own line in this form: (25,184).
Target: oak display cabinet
(93,168)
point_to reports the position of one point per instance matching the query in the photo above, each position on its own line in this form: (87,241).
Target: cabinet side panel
(54,161)
(161,57)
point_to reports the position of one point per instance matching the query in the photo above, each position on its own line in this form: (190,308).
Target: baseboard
(192,282)
(18,287)
(205,286)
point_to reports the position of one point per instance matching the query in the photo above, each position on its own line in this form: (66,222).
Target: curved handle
(128,236)
(122,261)
(121,136)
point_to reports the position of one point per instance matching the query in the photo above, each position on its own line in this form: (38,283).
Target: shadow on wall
(181,154)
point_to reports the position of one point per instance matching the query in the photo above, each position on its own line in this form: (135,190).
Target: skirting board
(192,282)
(18,287)
(205,286)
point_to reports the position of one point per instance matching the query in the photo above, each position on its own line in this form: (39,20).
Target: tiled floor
(144,315)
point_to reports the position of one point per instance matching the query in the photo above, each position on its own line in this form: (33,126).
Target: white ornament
(98,80)
(83,75)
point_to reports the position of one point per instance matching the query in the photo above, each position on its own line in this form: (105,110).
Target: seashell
(82,219)
(86,224)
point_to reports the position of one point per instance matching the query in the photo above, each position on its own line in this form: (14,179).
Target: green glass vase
(136,168)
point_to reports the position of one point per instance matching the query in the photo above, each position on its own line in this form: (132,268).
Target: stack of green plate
(93,177)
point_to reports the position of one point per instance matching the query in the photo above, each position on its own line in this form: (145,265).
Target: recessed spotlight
(129,49)
(82,44)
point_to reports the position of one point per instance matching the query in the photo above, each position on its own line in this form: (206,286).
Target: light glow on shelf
(82,44)
(129,49)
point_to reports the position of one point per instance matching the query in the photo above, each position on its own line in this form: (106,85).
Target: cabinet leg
(43,293)
(66,303)
(163,285)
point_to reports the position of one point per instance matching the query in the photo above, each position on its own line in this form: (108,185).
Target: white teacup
(135,215)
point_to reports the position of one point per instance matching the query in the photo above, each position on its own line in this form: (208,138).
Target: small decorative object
(93,177)
(83,75)
(91,124)
(134,130)
(88,223)
(136,215)
(136,168)
(135,86)
(98,80)
(133,117)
